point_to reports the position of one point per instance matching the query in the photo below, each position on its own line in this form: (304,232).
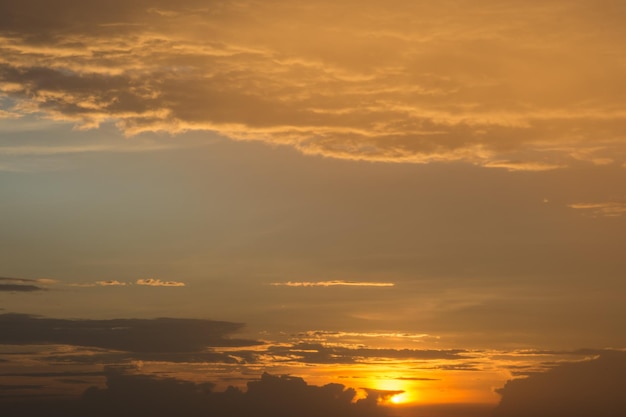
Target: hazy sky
(404,195)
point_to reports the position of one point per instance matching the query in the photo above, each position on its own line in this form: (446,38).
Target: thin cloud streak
(151,282)
(332,284)
(603,209)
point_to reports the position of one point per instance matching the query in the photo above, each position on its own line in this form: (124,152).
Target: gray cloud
(318,353)
(19,285)
(588,388)
(142,336)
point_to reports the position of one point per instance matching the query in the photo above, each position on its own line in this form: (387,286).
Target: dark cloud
(20,387)
(52,374)
(19,288)
(19,285)
(579,389)
(112,358)
(269,396)
(318,353)
(142,336)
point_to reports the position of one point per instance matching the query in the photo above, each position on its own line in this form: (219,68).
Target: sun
(399,391)
(399,398)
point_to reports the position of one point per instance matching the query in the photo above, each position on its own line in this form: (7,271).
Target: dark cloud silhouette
(142,336)
(19,387)
(114,357)
(19,285)
(52,374)
(580,389)
(269,396)
(318,353)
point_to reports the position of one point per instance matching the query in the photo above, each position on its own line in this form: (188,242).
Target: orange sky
(399,195)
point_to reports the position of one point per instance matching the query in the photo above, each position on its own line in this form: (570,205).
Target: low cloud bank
(582,389)
(269,396)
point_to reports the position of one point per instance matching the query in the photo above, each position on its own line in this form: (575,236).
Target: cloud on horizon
(267,396)
(588,388)
(519,86)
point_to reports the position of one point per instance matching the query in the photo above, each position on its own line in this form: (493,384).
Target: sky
(399,208)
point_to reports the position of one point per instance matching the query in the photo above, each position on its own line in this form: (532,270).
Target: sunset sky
(416,196)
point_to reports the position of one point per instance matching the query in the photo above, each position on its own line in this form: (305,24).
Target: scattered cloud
(602,209)
(332,284)
(158,283)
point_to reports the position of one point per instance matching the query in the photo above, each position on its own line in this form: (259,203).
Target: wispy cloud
(324,334)
(332,284)
(602,209)
(522,166)
(152,282)
(108,283)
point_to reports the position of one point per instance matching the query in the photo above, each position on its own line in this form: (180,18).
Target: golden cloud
(497,85)
(604,209)
(158,283)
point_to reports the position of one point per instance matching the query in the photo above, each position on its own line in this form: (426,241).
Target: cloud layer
(131,335)
(21,284)
(518,86)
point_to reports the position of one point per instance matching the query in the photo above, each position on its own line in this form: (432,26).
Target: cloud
(588,388)
(496,85)
(318,353)
(333,284)
(522,166)
(111,283)
(147,336)
(22,284)
(158,283)
(107,283)
(269,396)
(325,335)
(603,209)
(149,282)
